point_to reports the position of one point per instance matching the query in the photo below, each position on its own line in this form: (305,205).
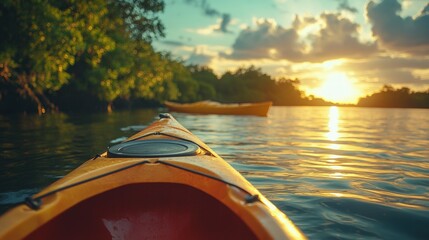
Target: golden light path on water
(333,135)
(330,152)
(334,116)
(334,163)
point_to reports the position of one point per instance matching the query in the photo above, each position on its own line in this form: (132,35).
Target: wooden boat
(210,107)
(162,183)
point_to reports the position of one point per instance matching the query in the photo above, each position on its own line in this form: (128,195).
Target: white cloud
(205,30)
(315,39)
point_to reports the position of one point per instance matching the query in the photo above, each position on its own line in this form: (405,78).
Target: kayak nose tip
(164,115)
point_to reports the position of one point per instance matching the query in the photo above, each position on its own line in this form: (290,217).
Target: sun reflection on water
(333,135)
(334,146)
(332,154)
(334,116)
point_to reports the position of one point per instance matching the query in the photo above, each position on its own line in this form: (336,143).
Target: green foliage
(140,16)
(245,85)
(207,81)
(286,92)
(388,96)
(252,85)
(182,78)
(153,75)
(118,61)
(40,41)
(97,46)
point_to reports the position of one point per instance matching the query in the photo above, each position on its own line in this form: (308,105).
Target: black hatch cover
(153,148)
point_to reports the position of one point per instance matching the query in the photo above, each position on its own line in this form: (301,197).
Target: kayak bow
(210,107)
(161,183)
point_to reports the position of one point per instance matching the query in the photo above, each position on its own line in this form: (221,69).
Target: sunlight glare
(337,194)
(338,88)
(331,64)
(334,116)
(333,135)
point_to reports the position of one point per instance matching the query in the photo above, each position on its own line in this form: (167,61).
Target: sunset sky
(338,49)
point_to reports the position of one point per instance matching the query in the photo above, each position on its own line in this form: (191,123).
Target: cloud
(388,70)
(300,23)
(204,31)
(402,34)
(226,19)
(395,76)
(344,5)
(425,10)
(334,37)
(207,9)
(173,43)
(267,40)
(199,58)
(221,27)
(338,39)
(387,63)
(211,12)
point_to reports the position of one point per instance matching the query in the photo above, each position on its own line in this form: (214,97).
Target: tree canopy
(96,46)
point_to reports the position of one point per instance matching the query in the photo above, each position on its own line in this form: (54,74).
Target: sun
(338,88)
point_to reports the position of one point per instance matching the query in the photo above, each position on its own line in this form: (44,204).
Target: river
(338,173)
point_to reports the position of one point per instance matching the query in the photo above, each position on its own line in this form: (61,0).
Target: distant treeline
(97,55)
(403,97)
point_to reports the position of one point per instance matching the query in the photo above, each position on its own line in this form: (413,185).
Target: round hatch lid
(153,148)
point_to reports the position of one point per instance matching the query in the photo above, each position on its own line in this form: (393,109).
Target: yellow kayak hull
(180,190)
(209,107)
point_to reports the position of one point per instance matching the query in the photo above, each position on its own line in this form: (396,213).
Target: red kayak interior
(147,211)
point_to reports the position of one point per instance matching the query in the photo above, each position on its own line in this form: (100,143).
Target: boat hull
(196,195)
(206,107)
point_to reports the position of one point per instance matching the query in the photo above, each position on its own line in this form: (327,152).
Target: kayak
(210,107)
(161,183)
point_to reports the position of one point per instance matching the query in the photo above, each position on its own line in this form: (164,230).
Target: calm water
(338,173)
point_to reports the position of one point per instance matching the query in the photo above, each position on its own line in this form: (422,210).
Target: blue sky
(364,44)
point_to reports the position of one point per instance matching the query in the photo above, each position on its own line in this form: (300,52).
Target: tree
(246,85)
(140,17)
(286,92)
(207,80)
(90,45)
(130,66)
(39,42)
(154,76)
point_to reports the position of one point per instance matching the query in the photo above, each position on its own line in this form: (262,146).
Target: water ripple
(337,172)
